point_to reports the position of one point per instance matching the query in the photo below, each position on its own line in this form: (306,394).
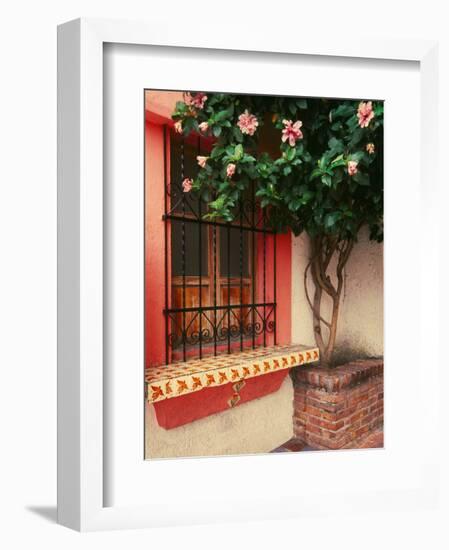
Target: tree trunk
(328,354)
(323,250)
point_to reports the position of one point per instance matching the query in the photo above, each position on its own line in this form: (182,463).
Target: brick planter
(334,408)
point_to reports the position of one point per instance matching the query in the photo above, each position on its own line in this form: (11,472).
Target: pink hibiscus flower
(365,113)
(291,132)
(230,170)
(247,123)
(202,161)
(197,101)
(370,148)
(178,127)
(187,185)
(204,126)
(352,167)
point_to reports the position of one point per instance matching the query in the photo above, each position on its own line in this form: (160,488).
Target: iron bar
(274,288)
(180,218)
(215,288)
(253,255)
(217,308)
(166,248)
(229,286)
(241,273)
(200,262)
(183,254)
(264,279)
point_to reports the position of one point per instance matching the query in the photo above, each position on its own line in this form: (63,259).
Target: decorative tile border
(182,378)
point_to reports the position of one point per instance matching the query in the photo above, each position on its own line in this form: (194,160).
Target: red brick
(355,417)
(313,429)
(294,445)
(313,411)
(357,400)
(316,442)
(324,405)
(362,430)
(321,395)
(333,426)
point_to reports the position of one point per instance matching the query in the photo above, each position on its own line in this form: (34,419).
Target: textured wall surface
(360,328)
(258,426)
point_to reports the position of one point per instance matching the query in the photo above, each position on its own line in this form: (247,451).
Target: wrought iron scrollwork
(220,331)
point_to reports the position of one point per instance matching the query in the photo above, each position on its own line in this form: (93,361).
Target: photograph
(263,273)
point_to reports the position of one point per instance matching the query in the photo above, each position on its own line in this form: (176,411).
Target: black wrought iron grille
(216,273)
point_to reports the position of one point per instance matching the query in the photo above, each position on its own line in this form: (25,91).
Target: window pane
(230,263)
(191,249)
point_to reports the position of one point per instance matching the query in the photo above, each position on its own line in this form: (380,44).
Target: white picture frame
(82,491)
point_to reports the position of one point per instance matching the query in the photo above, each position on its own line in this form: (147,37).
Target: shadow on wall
(345,353)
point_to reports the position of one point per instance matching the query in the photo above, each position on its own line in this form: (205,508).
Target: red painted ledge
(184,392)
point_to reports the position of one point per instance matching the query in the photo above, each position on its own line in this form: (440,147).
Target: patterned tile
(182,378)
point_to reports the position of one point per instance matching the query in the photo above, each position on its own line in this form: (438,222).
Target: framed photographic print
(230,181)
(231,303)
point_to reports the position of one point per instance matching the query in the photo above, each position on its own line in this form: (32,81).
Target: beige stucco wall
(360,329)
(258,426)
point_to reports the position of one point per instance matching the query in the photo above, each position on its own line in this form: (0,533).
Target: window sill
(180,379)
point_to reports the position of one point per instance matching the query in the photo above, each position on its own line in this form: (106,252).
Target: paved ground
(374,440)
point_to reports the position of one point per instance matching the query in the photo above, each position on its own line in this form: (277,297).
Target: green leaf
(338,161)
(361,179)
(292,108)
(237,134)
(326,179)
(216,131)
(238,152)
(355,137)
(189,125)
(290,153)
(324,161)
(316,173)
(331,219)
(216,152)
(307,195)
(335,146)
(222,115)
(378,109)
(294,204)
(357,156)
(247,158)
(343,110)
(218,203)
(337,126)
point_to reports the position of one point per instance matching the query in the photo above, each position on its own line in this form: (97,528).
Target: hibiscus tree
(323,176)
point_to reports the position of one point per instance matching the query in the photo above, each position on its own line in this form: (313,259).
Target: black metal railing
(215,323)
